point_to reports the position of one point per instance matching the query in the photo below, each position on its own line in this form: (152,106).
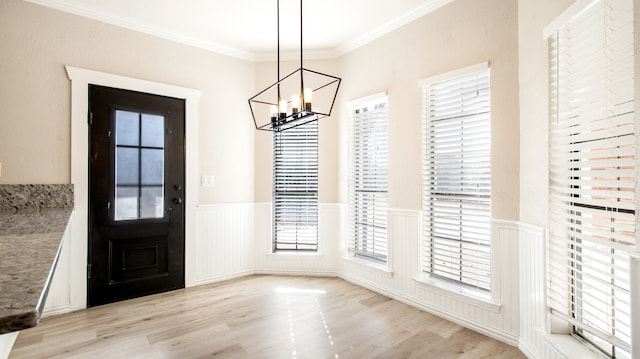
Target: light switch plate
(208,181)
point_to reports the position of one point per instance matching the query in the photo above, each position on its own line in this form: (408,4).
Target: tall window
(592,173)
(295,188)
(457,178)
(368,179)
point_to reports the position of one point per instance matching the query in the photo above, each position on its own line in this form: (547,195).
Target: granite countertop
(33,219)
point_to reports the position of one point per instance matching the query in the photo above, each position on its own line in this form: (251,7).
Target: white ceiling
(247,28)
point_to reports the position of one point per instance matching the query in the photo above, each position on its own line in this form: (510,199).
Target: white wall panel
(59,297)
(224,244)
(322,263)
(6,343)
(532,291)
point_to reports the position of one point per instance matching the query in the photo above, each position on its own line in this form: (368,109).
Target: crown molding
(311,54)
(429,6)
(146,29)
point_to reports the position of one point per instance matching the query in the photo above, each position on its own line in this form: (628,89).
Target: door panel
(136,179)
(144,257)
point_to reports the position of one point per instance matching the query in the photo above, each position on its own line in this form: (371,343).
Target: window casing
(592,174)
(457,178)
(368,179)
(295,189)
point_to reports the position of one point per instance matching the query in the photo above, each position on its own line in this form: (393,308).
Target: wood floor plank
(257,317)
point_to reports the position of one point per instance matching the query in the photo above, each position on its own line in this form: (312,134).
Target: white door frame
(78,227)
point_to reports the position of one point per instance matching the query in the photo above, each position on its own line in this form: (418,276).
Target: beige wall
(37,42)
(533,16)
(463,33)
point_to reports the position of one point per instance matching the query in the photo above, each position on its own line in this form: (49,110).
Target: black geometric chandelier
(300,97)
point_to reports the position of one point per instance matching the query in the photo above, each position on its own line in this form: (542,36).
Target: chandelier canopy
(300,97)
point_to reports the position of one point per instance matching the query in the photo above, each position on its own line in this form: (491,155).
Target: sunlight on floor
(326,326)
(290,317)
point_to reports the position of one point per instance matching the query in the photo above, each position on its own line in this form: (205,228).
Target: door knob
(178,187)
(177,200)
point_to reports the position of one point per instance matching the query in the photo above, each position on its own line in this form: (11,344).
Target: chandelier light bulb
(283,108)
(308,97)
(295,103)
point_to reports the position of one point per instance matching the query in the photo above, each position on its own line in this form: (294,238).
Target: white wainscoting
(532,291)
(59,297)
(6,343)
(404,237)
(324,263)
(225,242)
(234,240)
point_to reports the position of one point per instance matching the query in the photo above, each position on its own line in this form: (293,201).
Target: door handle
(177,200)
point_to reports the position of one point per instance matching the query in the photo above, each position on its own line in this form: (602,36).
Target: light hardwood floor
(257,317)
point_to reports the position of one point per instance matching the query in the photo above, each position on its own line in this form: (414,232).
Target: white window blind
(368,177)
(457,177)
(592,173)
(295,188)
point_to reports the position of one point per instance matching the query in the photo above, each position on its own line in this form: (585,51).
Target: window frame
(563,319)
(381,211)
(302,240)
(489,296)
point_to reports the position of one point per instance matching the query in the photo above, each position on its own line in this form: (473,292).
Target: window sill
(569,346)
(380,267)
(460,293)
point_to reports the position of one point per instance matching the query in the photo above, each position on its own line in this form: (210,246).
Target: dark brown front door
(136,201)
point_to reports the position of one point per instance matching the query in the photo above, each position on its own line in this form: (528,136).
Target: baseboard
(495,334)
(235,275)
(309,273)
(221,278)
(56,310)
(525,350)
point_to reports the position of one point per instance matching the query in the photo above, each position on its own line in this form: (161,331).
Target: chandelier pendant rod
(302,99)
(278,32)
